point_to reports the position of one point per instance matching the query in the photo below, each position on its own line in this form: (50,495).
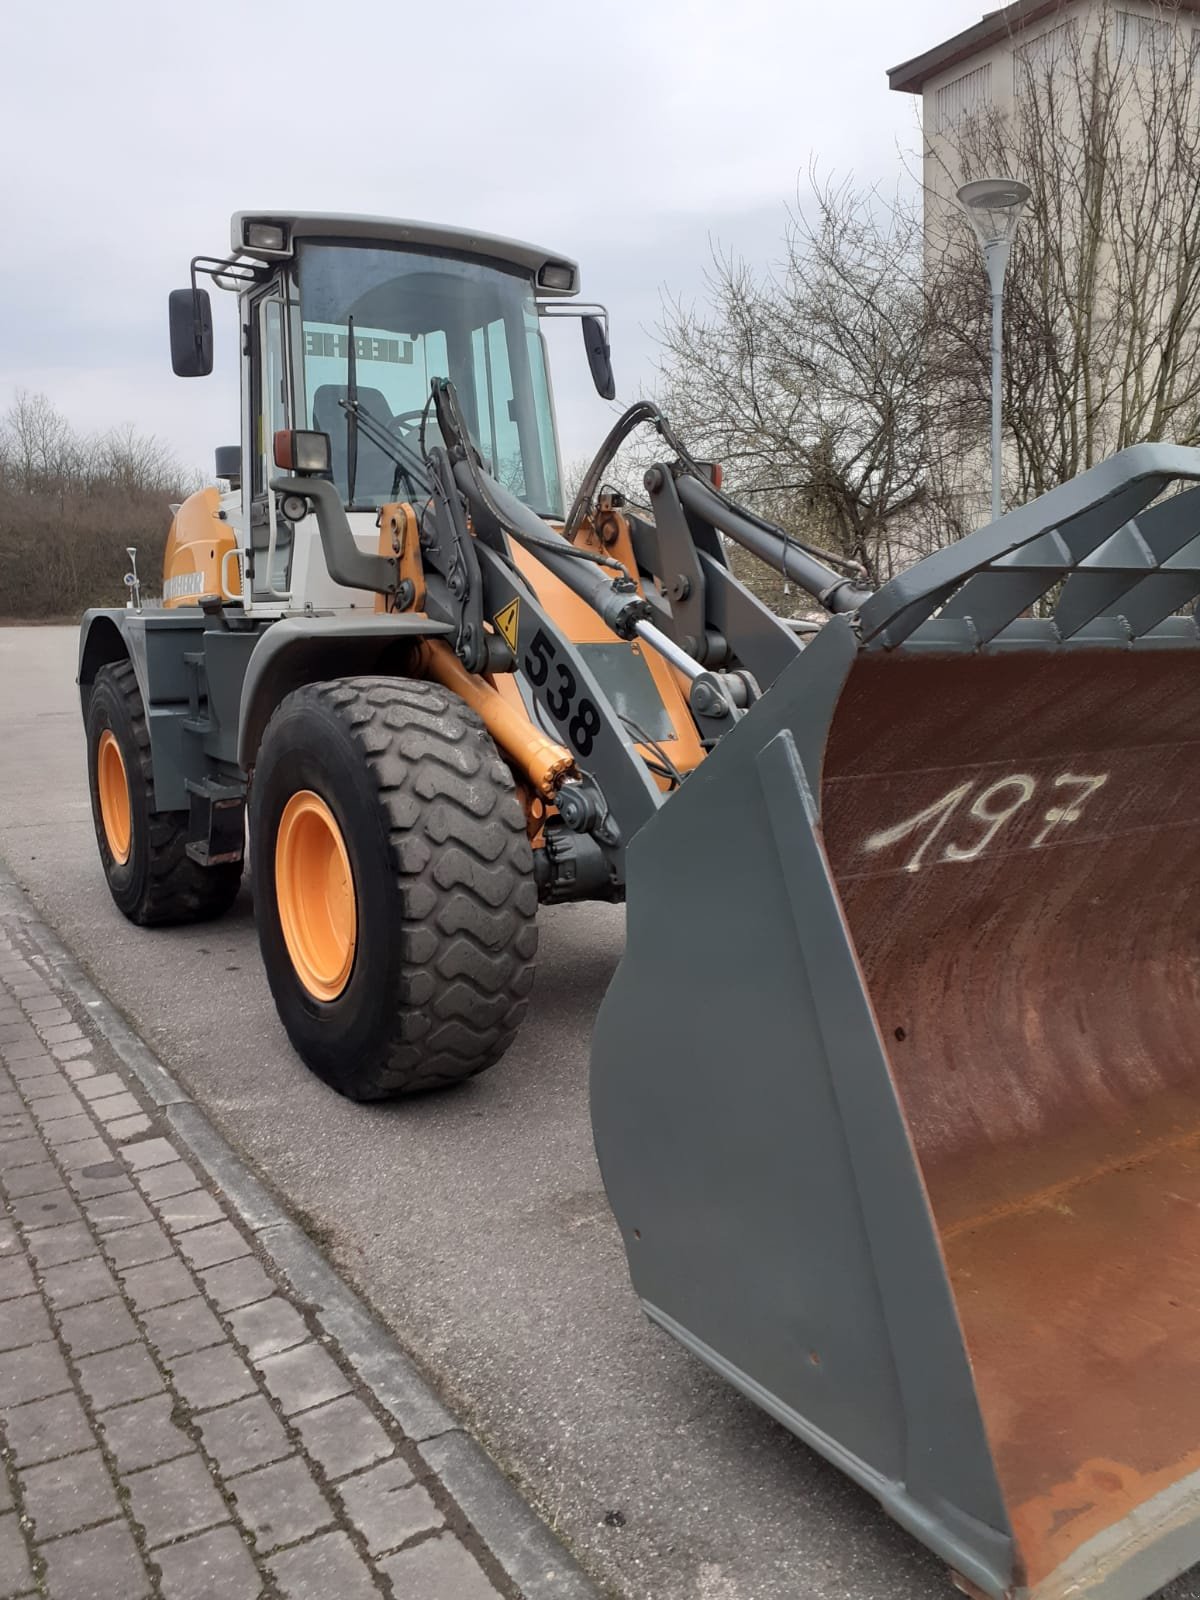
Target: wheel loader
(895,1090)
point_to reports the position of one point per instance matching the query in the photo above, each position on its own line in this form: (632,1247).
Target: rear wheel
(150,875)
(393,885)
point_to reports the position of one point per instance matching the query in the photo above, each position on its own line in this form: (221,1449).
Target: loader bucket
(896,1090)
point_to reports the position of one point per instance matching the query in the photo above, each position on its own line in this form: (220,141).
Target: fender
(299,650)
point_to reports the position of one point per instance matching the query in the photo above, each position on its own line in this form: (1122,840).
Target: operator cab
(345,322)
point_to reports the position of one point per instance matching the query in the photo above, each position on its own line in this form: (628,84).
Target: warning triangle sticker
(506,623)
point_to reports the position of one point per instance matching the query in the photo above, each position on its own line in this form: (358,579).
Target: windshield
(418,317)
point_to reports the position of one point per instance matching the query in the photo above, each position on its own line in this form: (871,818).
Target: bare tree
(1102,317)
(70,503)
(813,383)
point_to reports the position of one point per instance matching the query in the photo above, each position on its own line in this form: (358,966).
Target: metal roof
(394,230)
(910,77)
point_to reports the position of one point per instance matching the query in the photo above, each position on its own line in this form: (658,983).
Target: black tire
(443,884)
(158,882)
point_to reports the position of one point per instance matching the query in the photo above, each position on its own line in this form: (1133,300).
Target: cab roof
(394,230)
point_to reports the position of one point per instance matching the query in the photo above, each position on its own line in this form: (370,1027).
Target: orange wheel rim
(112,785)
(314,889)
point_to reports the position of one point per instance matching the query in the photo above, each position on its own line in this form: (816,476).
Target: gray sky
(627,134)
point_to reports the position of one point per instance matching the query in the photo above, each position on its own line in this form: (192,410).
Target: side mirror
(595,342)
(191,333)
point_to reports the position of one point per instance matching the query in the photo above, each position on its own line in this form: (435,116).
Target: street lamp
(994,207)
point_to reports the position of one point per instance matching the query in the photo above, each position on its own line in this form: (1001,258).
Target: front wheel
(393,885)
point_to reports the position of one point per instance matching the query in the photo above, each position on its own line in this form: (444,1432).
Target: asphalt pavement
(475,1223)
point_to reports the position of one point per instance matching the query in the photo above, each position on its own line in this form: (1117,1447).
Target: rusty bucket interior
(1012,837)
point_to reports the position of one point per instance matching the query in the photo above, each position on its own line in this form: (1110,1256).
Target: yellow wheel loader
(895,1091)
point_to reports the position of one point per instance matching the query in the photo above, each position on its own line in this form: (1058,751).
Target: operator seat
(376,470)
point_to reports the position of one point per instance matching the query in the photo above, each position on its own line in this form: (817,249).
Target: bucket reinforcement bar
(924,1180)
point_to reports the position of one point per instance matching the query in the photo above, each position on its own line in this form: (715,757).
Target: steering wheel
(410,421)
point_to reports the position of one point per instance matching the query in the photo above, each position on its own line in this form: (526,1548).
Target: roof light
(265,236)
(558,276)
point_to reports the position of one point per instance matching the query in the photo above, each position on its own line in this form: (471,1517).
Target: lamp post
(994,207)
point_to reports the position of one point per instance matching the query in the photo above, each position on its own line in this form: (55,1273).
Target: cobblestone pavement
(174,1423)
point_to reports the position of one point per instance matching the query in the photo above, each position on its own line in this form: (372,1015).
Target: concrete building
(983,68)
(1051,55)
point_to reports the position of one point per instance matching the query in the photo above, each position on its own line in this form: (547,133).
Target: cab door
(266,409)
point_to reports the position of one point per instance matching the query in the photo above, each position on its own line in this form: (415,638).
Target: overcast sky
(626,133)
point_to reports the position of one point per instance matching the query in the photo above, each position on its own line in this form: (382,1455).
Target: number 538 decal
(989,813)
(571,710)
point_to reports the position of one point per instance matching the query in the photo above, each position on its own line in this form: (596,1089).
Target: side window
(547,441)
(271,409)
(498,436)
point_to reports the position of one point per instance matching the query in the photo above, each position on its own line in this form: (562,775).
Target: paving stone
(102,1085)
(117,1210)
(149,1153)
(38,1005)
(27,1047)
(303,1377)
(343,1436)
(23,1321)
(63,1496)
(21,1153)
(210,1566)
(45,1210)
(31,1067)
(268,1327)
(62,1034)
(15,1279)
(78,1282)
(143,1434)
(439,1569)
(328,1566)
(116,1376)
(47,1085)
(177,1329)
(237,1283)
(73,1135)
(72,1050)
(191,1210)
(101,1564)
(54,1107)
(13,1128)
(211,1377)
(103,1325)
(387,1506)
(280,1503)
(82,1153)
(98,1178)
(134,1247)
(79,1069)
(243,1435)
(175,1499)
(160,1283)
(16,1575)
(40,1178)
(50,1247)
(128,1127)
(43,1429)
(212,1245)
(49,1013)
(160,1182)
(9,1238)
(110,1108)
(31,1374)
